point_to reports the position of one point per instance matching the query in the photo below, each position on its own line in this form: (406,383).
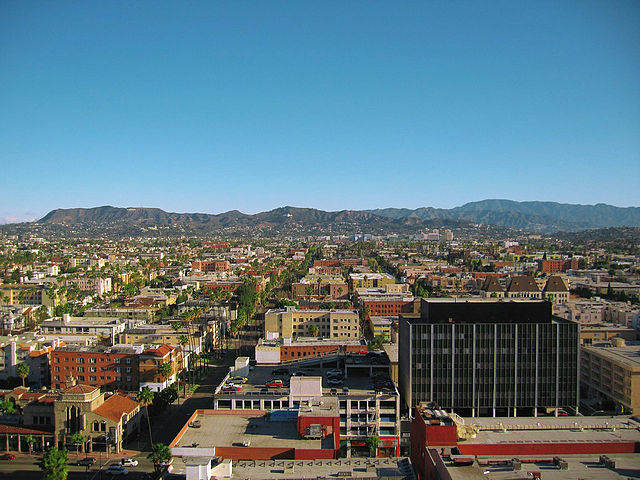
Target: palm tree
(23,371)
(160,453)
(54,464)
(165,370)
(145,397)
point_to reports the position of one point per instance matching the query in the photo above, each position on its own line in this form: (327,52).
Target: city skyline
(221,107)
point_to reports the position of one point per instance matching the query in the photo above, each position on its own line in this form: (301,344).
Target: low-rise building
(611,374)
(104,329)
(291,322)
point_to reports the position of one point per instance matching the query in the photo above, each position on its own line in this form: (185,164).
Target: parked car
(116,470)
(345,389)
(195,424)
(86,462)
(334,391)
(335,371)
(8,456)
(231,388)
(334,381)
(129,462)
(240,380)
(274,383)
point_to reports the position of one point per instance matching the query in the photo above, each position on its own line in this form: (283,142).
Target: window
(128,361)
(93,378)
(92,360)
(81,378)
(117,360)
(80,360)
(79,369)
(92,369)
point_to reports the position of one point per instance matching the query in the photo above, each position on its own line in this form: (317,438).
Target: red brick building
(558,266)
(389,308)
(115,368)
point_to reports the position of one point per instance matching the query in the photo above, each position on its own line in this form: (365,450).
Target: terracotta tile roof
(115,406)
(524,283)
(555,284)
(13,429)
(160,351)
(80,389)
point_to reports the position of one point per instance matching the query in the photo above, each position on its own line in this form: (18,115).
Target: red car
(8,456)
(275,383)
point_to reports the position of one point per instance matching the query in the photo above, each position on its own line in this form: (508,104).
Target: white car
(129,462)
(116,470)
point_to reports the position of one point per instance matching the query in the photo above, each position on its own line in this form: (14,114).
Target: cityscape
(316,241)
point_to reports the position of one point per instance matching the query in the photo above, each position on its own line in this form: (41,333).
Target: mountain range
(538,217)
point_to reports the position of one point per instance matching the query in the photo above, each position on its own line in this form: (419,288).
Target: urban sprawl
(421,356)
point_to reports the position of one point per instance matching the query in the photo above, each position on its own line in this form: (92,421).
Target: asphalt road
(26,467)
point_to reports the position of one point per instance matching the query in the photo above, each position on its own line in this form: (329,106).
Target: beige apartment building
(290,322)
(613,374)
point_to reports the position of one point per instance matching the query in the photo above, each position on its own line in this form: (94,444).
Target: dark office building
(489,358)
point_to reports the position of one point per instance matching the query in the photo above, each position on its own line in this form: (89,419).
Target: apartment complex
(290,322)
(109,367)
(98,286)
(488,358)
(370,280)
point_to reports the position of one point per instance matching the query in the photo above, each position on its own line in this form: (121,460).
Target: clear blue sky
(211,106)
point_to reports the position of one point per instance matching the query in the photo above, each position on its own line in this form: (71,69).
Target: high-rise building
(482,357)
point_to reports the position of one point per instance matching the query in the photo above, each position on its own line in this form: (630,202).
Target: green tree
(54,464)
(30,441)
(145,397)
(314,330)
(76,440)
(23,371)
(372,443)
(7,406)
(176,326)
(376,343)
(165,370)
(159,453)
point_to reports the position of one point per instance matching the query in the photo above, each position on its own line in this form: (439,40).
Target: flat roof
(551,429)
(313,469)
(232,430)
(628,355)
(584,467)
(358,380)
(295,310)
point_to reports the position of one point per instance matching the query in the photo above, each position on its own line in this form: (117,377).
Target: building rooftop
(231,430)
(358,380)
(551,429)
(295,310)
(628,355)
(364,468)
(115,406)
(578,467)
